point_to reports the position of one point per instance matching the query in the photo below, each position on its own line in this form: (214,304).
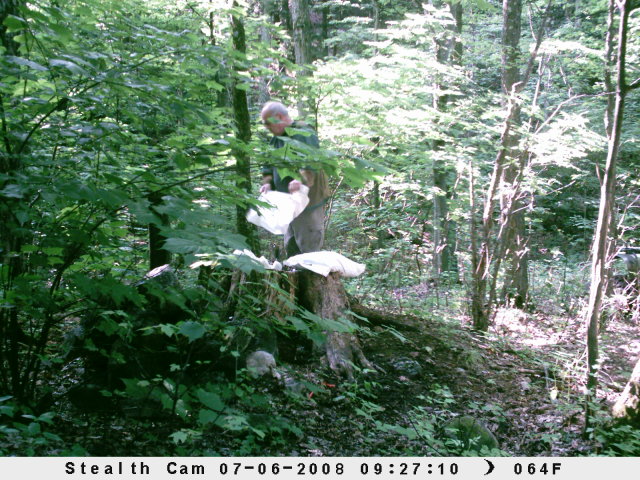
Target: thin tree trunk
(511,14)
(12,233)
(506,176)
(265,37)
(601,242)
(243,134)
(158,256)
(448,51)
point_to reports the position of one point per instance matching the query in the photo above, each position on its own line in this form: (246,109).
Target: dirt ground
(524,380)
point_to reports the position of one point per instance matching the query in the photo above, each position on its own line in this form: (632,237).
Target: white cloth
(284,207)
(262,260)
(325,262)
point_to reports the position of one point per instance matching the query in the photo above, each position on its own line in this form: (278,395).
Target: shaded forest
(482,160)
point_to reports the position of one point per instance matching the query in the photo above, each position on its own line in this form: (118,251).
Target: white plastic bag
(325,262)
(284,208)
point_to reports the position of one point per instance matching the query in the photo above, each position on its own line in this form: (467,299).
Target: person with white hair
(306,233)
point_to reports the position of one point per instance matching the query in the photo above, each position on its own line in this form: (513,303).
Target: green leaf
(211,400)
(8,411)
(34,428)
(181,245)
(179,437)
(47,418)
(207,416)
(192,330)
(11,191)
(62,32)
(14,23)
(26,63)
(72,67)
(168,329)
(297,323)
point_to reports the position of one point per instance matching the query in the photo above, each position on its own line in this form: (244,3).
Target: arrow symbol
(491,466)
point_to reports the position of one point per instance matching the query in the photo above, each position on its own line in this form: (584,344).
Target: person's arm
(267,183)
(294,186)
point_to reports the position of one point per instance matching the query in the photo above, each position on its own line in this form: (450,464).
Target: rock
(261,363)
(293,386)
(473,434)
(407,367)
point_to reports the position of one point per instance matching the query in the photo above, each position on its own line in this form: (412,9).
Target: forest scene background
(483,159)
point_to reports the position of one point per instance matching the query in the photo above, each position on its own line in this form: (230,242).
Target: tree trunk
(512,242)
(301,33)
(481,308)
(12,233)
(326,297)
(242,122)
(8,7)
(262,7)
(505,180)
(448,51)
(601,242)
(301,25)
(158,256)
(627,407)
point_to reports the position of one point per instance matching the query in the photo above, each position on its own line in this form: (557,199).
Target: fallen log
(399,321)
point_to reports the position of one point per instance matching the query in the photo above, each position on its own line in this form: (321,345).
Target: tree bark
(505,180)
(242,122)
(12,232)
(301,33)
(601,242)
(448,52)
(8,7)
(262,7)
(627,407)
(512,242)
(511,14)
(326,297)
(158,256)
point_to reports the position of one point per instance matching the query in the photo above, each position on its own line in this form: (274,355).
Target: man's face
(275,123)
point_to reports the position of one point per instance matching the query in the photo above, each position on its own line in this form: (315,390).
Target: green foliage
(25,434)
(115,116)
(618,441)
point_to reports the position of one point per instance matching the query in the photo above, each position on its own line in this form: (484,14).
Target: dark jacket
(306,232)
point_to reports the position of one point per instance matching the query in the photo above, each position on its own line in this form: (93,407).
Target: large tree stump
(327,298)
(283,293)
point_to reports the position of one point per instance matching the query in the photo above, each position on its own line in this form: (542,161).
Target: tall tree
(505,180)
(12,235)
(301,33)
(301,25)
(511,21)
(602,240)
(448,51)
(243,130)
(511,241)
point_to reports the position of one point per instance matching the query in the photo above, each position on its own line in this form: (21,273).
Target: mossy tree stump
(323,296)
(327,298)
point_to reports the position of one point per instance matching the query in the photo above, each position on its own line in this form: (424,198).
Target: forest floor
(524,380)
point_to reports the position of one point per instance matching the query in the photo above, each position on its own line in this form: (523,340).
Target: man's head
(275,117)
